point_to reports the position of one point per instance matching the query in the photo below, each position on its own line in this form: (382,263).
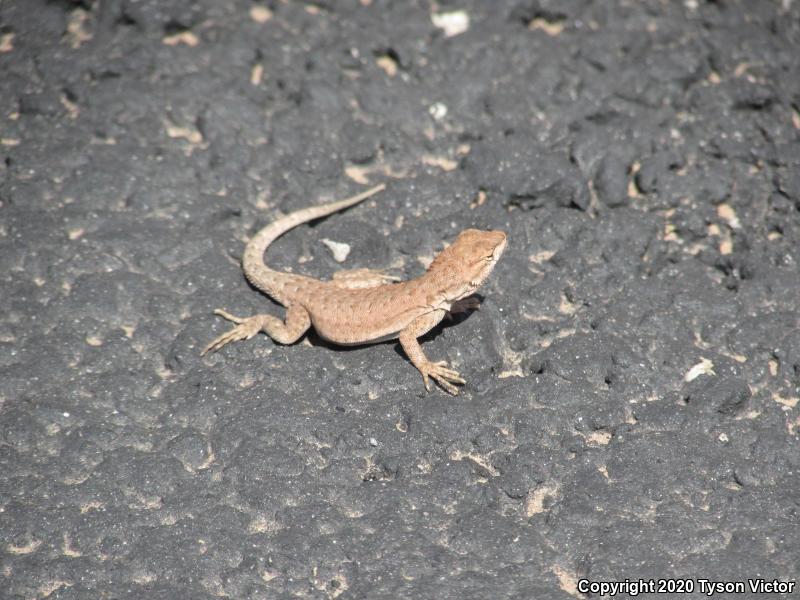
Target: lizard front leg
(437,370)
(284,332)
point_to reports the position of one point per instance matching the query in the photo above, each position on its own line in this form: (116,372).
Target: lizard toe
(219,342)
(246,329)
(212,346)
(443,370)
(449,387)
(444,376)
(426,381)
(226,315)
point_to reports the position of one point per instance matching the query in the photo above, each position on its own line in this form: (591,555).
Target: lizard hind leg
(284,332)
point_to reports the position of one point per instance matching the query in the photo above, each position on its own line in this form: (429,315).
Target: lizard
(361,306)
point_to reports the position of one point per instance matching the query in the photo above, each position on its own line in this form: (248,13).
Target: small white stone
(704,367)
(338,249)
(373,442)
(452,23)
(438,111)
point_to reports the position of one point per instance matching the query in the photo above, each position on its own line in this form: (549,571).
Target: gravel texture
(633,399)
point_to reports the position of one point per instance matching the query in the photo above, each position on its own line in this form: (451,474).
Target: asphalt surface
(632,407)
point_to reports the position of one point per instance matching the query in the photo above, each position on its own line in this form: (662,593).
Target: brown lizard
(362,306)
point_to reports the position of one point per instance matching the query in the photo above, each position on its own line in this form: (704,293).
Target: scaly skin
(363,305)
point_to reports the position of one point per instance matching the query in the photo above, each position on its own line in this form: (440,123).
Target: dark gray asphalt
(633,399)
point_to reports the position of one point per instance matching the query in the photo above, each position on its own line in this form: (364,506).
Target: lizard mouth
(485,267)
(484,274)
(496,254)
(498,251)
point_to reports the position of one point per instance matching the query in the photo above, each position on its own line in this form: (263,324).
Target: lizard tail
(273,282)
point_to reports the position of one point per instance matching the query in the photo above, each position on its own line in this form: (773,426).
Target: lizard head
(463,266)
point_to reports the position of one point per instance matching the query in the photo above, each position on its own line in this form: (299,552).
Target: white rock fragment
(704,367)
(452,23)
(338,249)
(438,110)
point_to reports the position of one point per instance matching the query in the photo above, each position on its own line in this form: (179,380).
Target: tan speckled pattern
(363,305)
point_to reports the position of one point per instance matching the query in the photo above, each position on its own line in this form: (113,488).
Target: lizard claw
(443,375)
(244,330)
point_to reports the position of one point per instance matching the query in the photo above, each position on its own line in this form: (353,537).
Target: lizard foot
(444,376)
(244,330)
